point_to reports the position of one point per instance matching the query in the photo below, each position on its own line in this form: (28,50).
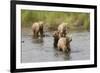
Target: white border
(20,65)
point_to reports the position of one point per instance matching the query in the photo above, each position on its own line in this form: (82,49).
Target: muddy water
(42,50)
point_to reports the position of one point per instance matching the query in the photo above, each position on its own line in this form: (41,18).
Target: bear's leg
(69,48)
(55,42)
(64,49)
(36,34)
(33,33)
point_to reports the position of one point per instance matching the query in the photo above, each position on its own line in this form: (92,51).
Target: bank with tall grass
(75,20)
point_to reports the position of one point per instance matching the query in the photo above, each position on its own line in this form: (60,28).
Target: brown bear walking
(37,29)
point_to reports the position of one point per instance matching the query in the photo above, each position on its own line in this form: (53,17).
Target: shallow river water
(42,50)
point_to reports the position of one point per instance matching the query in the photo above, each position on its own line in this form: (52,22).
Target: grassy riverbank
(75,20)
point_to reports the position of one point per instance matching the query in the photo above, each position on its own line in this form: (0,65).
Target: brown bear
(37,28)
(62,28)
(64,44)
(56,38)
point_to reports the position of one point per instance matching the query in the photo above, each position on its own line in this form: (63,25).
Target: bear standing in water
(64,44)
(37,29)
(62,29)
(56,38)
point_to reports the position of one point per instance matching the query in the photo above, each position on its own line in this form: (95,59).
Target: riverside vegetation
(75,20)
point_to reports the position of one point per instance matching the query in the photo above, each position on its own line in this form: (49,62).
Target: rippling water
(42,50)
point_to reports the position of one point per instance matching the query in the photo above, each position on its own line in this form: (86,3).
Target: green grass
(52,19)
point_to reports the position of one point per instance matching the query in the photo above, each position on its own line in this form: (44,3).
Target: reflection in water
(37,40)
(42,50)
(65,55)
